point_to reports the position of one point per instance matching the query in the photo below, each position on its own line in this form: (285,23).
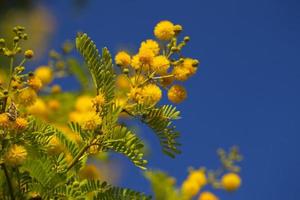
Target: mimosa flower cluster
(158,64)
(199,182)
(51,138)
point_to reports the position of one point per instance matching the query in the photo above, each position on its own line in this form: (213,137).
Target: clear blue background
(246,91)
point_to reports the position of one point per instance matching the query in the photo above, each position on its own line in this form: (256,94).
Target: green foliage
(55,175)
(97,190)
(76,128)
(43,174)
(101,67)
(122,140)
(107,192)
(160,119)
(162,185)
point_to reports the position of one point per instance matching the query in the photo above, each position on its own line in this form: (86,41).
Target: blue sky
(246,91)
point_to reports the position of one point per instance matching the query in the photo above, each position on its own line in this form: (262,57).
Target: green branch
(10,188)
(78,156)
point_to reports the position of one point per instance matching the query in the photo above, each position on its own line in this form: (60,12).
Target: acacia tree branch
(10,188)
(77,157)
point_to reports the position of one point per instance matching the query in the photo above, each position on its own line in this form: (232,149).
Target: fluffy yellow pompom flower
(190,188)
(186,69)
(191,65)
(164,30)
(90,121)
(15,156)
(76,116)
(207,196)
(151,94)
(4,120)
(161,64)
(231,181)
(122,82)
(99,100)
(44,73)
(35,83)
(146,57)
(123,59)
(150,44)
(21,123)
(134,94)
(180,73)
(198,176)
(135,62)
(84,103)
(89,172)
(26,97)
(55,89)
(53,104)
(177,94)
(39,108)
(54,146)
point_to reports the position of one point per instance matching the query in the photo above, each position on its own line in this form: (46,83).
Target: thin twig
(10,188)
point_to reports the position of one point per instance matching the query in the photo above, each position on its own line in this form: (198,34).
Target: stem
(78,156)
(11,191)
(18,177)
(11,70)
(161,77)
(22,62)
(4,102)
(150,77)
(10,187)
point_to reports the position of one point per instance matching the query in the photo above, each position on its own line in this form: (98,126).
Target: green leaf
(104,191)
(123,141)
(101,67)
(163,186)
(75,127)
(160,119)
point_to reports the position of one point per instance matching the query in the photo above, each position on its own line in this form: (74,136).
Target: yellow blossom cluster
(85,113)
(4,120)
(16,125)
(16,155)
(45,74)
(207,196)
(26,90)
(156,66)
(231,181)
(197,179)
(194,182)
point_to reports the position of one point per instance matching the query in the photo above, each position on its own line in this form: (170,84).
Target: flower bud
(9,53)
(195,63)
(2,42)
(125,70)
(16,39)
(186,39)
(174,49)
(25,36)
(177,28)
(29,54)
(19,50)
